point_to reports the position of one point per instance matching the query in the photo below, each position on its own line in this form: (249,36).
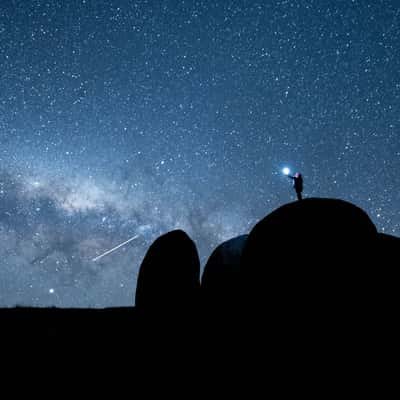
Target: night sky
(120,118)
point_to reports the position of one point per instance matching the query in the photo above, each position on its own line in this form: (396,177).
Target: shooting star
(114,249)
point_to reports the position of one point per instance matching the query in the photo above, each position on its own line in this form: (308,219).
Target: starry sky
(123,118)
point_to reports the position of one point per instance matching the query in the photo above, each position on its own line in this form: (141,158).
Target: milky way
(123,118)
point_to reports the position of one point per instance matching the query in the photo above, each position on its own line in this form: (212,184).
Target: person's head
(297,175)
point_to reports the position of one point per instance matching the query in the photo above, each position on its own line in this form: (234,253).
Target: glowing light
(51,291)
(286,171)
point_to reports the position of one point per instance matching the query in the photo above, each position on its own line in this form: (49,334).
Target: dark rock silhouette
(169,277)
(312,285)
(389,247)
(220,281)
(386,279)
(308,254)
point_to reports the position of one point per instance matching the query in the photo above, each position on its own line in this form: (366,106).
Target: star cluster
(120,118)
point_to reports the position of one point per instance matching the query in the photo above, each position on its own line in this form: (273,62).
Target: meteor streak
(114,249)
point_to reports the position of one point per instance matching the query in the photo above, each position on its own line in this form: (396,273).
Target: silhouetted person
(297,184)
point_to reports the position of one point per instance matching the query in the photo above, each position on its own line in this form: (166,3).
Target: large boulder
(220,280)
(309,276)
(387,281)
(389,248)
(169,277)
(308,258)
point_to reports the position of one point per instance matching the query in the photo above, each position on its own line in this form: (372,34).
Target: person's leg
(299,197)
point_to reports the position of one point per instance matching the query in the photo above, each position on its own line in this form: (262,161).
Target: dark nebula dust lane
(123,118)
